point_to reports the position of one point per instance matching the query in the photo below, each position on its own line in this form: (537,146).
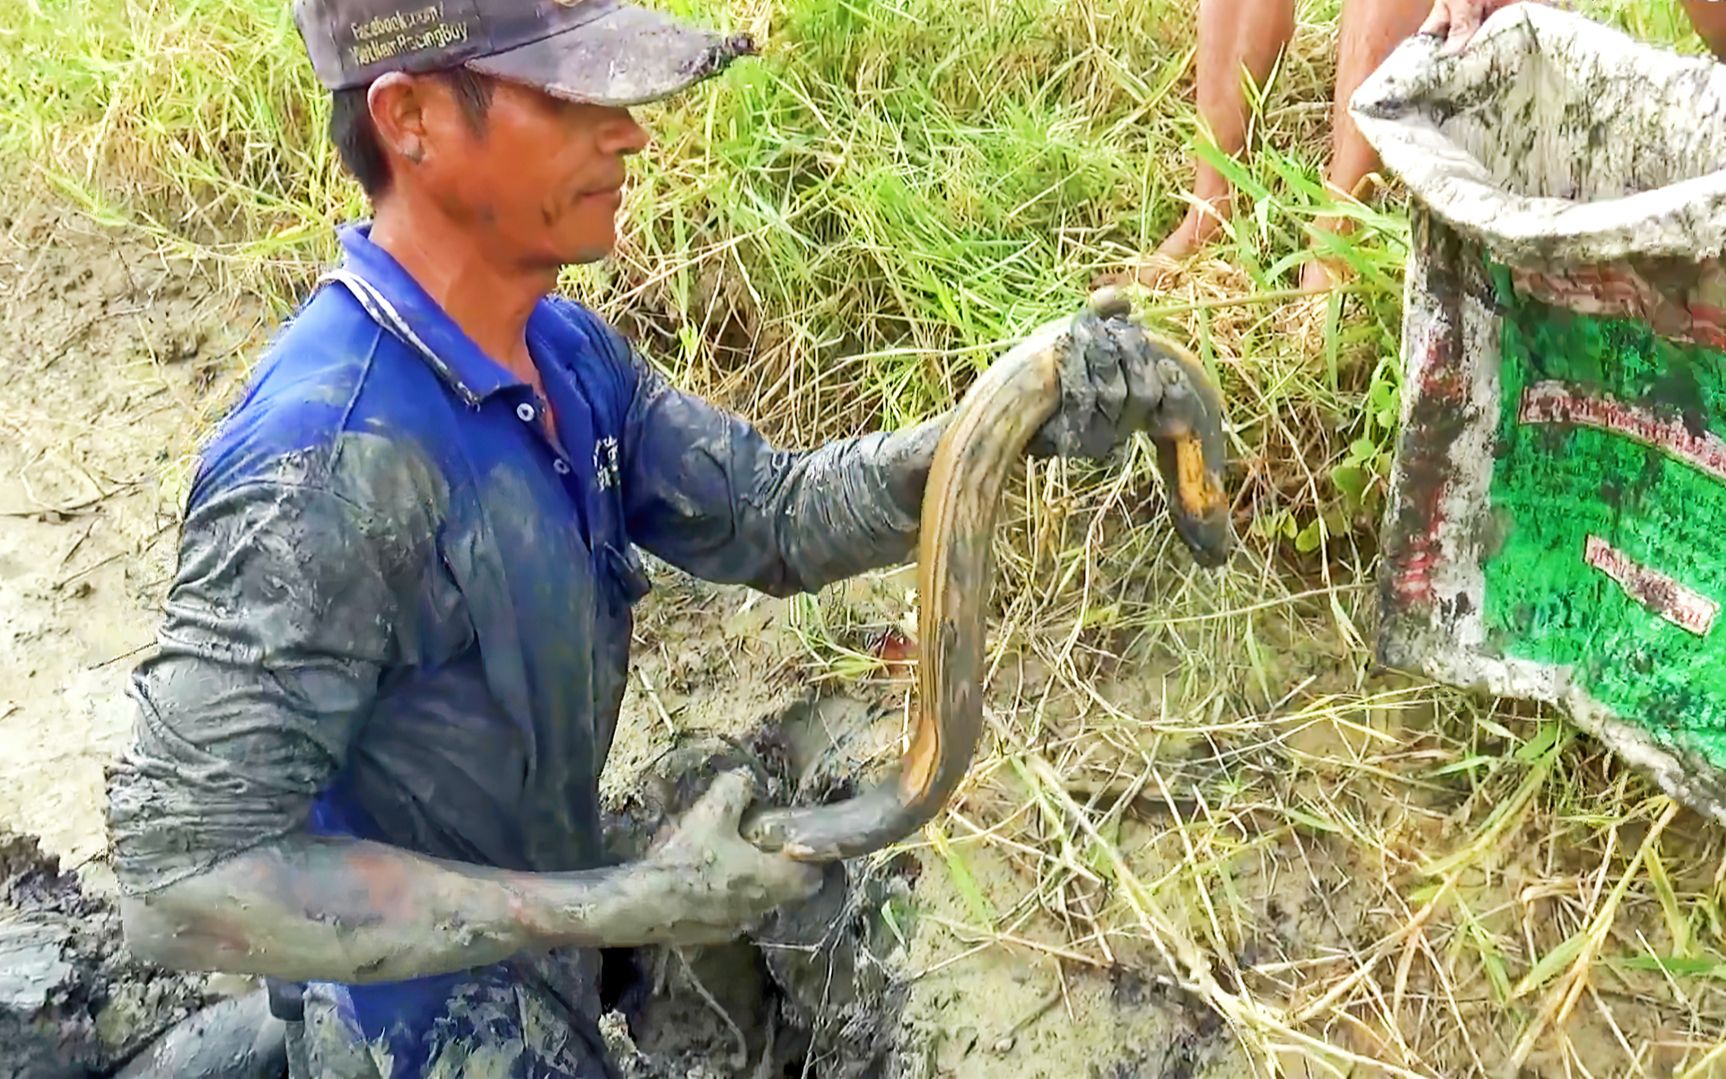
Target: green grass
(868,189)
(837,237)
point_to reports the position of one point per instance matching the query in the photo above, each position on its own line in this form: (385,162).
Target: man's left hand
(1113,380)
(1457,21)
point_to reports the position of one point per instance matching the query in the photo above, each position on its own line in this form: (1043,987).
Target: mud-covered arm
(280,625)
(707,493)
(307,909)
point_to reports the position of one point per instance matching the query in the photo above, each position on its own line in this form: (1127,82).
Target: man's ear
(397,103)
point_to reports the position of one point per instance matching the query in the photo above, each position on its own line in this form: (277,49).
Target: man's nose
(625,135)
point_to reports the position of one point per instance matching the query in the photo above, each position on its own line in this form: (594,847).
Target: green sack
(1557,521)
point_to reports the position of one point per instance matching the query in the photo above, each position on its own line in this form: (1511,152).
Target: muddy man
(367,753)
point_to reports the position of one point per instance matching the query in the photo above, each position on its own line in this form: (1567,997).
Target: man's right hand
(1457,20)
(306,908)
(726,883)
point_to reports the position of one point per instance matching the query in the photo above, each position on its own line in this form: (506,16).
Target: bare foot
(1151,272)
(1322,274)
(1202,222)
(1317,276)
(1195,230)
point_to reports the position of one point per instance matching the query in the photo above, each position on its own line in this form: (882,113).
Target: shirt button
(524,412)
(560,466)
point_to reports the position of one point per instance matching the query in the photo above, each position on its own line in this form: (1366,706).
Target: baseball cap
(605,52)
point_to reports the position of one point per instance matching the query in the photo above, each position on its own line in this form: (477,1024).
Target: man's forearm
(705,491)
(354,911)
(852,505)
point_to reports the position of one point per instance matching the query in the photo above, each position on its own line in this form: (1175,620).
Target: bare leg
(1371,30)
(1709,19)
(1233,35)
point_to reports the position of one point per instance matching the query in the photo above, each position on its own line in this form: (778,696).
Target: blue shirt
(402,612)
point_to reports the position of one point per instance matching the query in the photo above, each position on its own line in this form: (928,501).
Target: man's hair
(356,137)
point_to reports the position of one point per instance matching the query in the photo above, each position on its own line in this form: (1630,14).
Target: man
(367,755)
(1247,36)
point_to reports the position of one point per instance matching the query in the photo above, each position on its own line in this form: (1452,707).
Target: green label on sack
(1609,513)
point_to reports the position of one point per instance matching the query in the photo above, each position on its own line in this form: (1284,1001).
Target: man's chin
(595,254)
(584,254)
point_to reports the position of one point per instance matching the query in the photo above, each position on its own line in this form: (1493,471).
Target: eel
(988,435)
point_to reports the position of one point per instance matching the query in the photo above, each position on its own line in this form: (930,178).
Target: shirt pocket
(621,575)
(621,581)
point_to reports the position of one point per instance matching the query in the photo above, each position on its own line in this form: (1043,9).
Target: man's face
(542,178)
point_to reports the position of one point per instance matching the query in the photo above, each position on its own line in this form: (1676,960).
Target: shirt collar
(401,306)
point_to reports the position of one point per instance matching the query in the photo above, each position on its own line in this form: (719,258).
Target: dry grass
(1200,776)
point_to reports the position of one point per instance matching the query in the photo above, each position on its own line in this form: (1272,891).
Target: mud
(71,1003)
(854,984)
(112,360)
(883,977)
(813,990)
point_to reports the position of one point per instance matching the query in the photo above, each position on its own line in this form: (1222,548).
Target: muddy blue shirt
(402,612)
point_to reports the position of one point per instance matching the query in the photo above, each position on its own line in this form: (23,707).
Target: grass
(1195,775)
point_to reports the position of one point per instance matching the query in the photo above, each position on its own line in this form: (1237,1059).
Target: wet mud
(815,989)
(72,1002)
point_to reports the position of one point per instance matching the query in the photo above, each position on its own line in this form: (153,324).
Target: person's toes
(1194,231)
(1179,244)
(1316,276)
(1113,278)
(1153,273)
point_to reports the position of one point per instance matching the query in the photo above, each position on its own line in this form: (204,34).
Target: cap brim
(629,56)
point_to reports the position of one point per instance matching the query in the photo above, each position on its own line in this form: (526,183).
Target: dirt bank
(111,359)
